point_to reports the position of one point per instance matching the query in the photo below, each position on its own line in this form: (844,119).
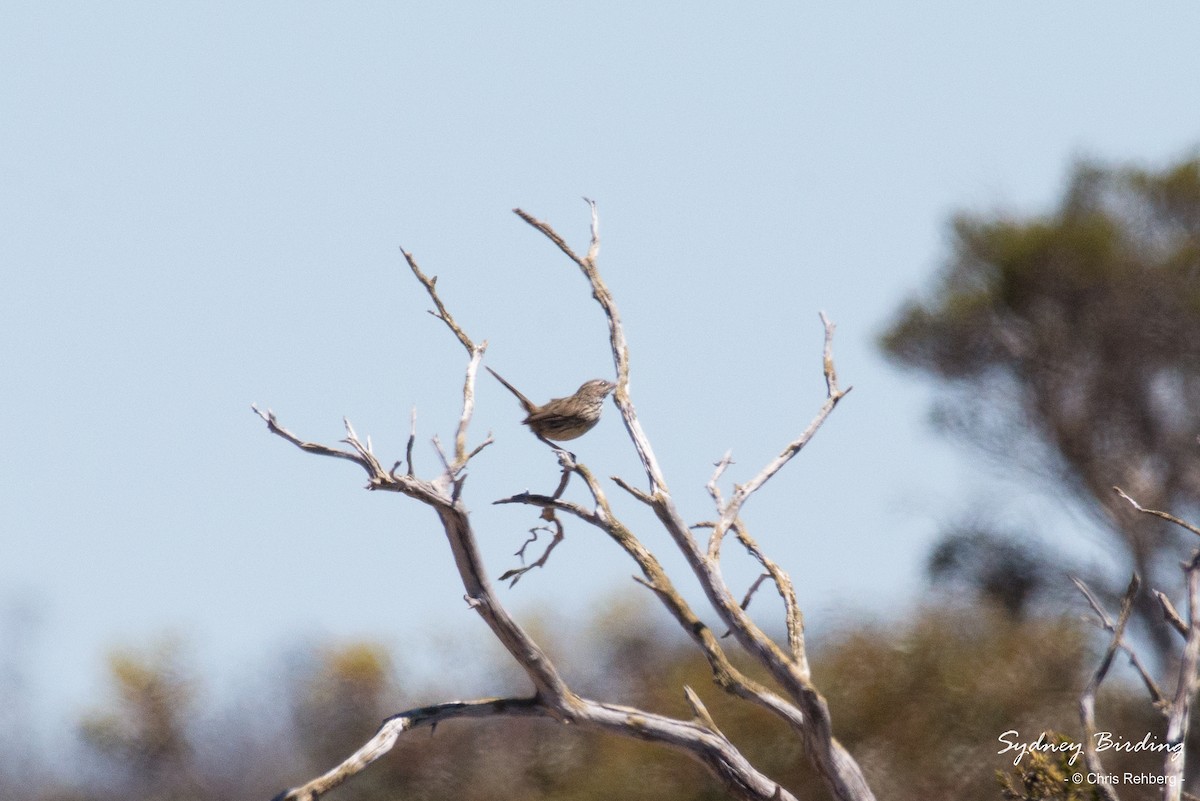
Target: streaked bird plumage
(562,419)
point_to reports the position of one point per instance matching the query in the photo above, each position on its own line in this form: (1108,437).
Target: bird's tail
(525,403)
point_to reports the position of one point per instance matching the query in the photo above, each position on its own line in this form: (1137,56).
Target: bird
(561,419)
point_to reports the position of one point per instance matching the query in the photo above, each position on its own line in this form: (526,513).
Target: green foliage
(1046,777)
(1119,258)
(340,699)
(1069,343)
(920,700)
(145,733)
(925,703)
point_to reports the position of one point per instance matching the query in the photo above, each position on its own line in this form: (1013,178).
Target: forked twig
(1108,625)
(557,534)
(442,313)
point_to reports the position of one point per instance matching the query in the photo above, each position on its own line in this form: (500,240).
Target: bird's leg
(565,457)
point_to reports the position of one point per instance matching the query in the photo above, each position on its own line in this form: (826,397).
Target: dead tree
(793,698)
(1175,707)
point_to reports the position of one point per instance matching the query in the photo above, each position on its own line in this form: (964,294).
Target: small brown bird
(563,418)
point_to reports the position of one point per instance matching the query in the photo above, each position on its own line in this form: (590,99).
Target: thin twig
(733,508)
(641,495)
(1087,701)
(1156,695)
(1170,614)
(468,407)
(714,491)
(557,534)
(551,234)
(312,447)
(753,589)
(594,245)
(437,446)
(461,457)
(793,616)
(549,502)
(1185,690)
(412,437)
(1170,518)
(488,440)
(442,314)
(831,384)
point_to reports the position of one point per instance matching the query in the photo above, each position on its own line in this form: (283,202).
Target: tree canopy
(1069,343)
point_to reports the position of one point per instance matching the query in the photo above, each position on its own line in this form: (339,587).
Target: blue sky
(202,206)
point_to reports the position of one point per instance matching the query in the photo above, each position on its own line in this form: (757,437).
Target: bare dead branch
(1170,614)
(793,616)
(754,639)
(556,537)
(389,733)
(743,493)
(841,774)
(533,537)
(475,352)
(831,383)
(551,234)
(549,502)
(1087,701)
(720,466)
(696,738)
(594,245)
(488,440)
(632,490)
(750,596)
(468,408)
(803,709)
(567,462)
(654,578)
(365,452)
(644,583)
(699,709)
(442,314)
(1178,709)
(753,589)
(311,447)
(1156,695)
(619,345)
(1170,518)
(445,460)
(1185,691)
(658,496)
(412,438)
(714,491)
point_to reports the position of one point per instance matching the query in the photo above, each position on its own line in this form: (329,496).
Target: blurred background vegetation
(1067,349)
(920,703)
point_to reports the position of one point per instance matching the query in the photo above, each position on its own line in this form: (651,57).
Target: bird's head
(597,388)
